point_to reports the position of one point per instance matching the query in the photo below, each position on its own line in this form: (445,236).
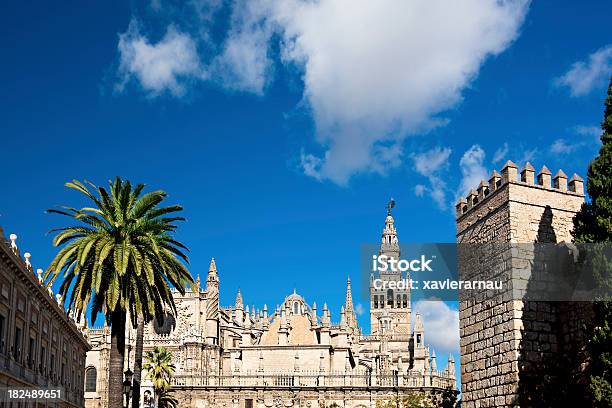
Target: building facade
(41,346)
(292,356)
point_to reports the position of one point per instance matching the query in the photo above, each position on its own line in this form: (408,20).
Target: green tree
(593,224)
(408,400)
(166,400)
(119,256)
(159,369)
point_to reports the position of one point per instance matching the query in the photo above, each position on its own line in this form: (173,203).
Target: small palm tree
(166,400)
(160,370)
(119,257)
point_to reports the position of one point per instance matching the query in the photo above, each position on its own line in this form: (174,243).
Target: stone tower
(389,308)
(508,343)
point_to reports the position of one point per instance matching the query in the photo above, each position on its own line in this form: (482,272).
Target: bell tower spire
(393,303)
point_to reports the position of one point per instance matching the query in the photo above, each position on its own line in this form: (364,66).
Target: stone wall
(513,350)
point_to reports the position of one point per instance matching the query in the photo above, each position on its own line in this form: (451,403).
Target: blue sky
(284,127)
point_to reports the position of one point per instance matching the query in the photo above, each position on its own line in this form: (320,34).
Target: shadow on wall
(552,344)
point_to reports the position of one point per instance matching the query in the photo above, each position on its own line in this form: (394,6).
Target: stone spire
(450,367)
(239,304)
(434,367)
(343,323)
(348,302)
(213,276)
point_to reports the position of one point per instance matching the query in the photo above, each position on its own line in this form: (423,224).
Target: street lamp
(127,386)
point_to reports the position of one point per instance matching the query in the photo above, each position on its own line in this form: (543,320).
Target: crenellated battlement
(527,177)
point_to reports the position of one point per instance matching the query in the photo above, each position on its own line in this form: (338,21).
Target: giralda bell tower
(389,308)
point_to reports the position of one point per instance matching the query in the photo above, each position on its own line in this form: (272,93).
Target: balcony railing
(313,379)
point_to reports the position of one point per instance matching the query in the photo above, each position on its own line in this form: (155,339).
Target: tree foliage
(159,368)
(593,224)
(120,254)
(408,400)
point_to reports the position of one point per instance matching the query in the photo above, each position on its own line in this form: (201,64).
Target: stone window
(91,377)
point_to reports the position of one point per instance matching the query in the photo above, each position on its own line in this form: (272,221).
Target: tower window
(375,298)
(390,297)
(405,301)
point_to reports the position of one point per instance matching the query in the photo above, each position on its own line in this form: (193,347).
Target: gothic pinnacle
(239,305)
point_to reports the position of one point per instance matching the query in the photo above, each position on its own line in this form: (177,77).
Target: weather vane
(390,206)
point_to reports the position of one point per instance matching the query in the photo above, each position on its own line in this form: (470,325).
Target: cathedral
(296,355)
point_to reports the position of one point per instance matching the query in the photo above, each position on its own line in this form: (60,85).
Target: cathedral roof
(299,333)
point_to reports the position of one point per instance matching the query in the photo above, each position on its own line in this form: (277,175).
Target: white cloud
(500,154)
(376,71)
(163,66)
(373,72)
(359,309)
(472,169)
(441,325)
(588,130)
(562,146)
(245,64)
(431,161)
(429,164)
(585,76)
(419,190)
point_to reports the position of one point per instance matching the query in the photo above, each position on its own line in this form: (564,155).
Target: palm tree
(159,370)
(166,400)
(119,257)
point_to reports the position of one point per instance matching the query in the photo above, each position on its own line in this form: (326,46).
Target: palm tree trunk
(115,363)
(138,363)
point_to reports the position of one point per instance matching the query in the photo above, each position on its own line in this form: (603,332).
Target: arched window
(398,300)
(405,301)
(91,377)
(296,308)
(390,297)
(375,301)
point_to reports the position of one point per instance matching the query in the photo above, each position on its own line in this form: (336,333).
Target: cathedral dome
(296,304)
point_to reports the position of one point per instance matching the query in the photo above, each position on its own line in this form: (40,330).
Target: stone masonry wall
(510,348)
